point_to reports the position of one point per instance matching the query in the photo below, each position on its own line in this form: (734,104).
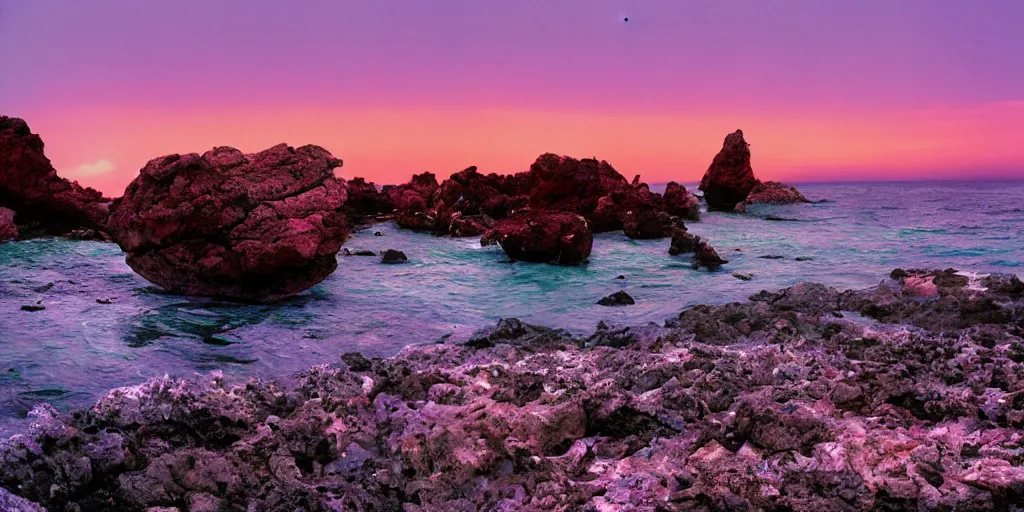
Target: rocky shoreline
(904,396)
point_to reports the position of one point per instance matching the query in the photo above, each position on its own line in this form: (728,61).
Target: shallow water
(77,348)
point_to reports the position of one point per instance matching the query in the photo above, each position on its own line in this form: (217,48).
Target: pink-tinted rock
(8,230)
(560,238)
(730,178)
(365,201)
(44,202)
(920,286)
(253,228)
(648,224)
(773,192)
(681,203)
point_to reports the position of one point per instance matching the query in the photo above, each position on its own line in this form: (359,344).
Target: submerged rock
(357,252)
(619,298)
(558,238)
(730,178)
(778,403)
(253,228)
(391,256)
(29,185)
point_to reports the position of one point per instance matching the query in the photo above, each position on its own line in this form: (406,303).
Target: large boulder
(772,192)
(560,238)
(649,224)
(253,228)
(681,203)
(730,178)
(45,203)
(412,202)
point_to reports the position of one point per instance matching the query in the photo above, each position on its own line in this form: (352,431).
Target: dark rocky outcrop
(730,178)
(683,243)
(681,203)
(707,256)
(783,402)
(411,202)
(365,202)
(619,298)
(253,228)
(559,238)
(729,183)
(650,224)
(391,256)
(45,203)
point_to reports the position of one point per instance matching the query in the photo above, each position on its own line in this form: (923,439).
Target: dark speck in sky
(625,19)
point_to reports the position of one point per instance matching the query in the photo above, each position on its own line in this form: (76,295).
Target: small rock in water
(772,257)
(44,288)
(776,218)
(393,256)
(620,277)
(707,257)
(619,298)
(357,252)
(105,301)
(803,258)
(378,233)
(38,306)
(742,277)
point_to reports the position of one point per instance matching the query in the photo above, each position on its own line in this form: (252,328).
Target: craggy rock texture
(729,178)
(8,229)
(411,202)
(253,228)
(703,254)
(805,399)
(365,202)
(729,183)
(706,256)
(545,237)
(45,203)
(681,203)
(772,192)
(13,503)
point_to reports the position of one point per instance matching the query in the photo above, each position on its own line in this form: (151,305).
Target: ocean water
(77,348)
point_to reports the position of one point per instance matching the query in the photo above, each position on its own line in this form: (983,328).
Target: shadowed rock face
(785,402)
(8,229)
(253,228)
(545,237)
(44,202)
(681,203)
(730,178)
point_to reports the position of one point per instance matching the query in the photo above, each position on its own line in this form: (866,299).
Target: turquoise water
(77,348)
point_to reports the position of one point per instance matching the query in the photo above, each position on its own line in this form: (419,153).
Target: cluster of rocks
(33,199)
(808,398)
(730,185)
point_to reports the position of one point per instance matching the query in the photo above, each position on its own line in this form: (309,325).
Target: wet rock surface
(619,298)
(8,229)
(392,256)
(544,237)
(773,192)
(253,228)
(45,203)
(807,398)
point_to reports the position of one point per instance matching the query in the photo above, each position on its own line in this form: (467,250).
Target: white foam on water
(973,280)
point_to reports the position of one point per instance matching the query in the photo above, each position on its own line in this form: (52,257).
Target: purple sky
(674,57)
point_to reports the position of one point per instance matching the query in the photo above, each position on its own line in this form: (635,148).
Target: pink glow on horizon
(105,148)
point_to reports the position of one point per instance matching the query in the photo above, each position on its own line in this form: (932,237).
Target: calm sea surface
(77,348)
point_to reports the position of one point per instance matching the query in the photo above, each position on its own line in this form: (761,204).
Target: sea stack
(252,228)
(43,202)
(730,178)
(730,185)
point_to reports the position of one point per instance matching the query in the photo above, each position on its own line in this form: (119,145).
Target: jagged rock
(392,256)
(777,403)
(546,237)
(650,224)
(12,503)
(357,252)
(683,243)
(707,256)
(45,203)
(253,228)
(681,203)
(730,178)
(364,201)
(619,298)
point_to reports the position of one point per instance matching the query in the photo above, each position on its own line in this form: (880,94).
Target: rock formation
(729,183)
(253,228)
(559,238)
(782,402)
(8,229)
(365,202)
(681,203)
(44,202)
